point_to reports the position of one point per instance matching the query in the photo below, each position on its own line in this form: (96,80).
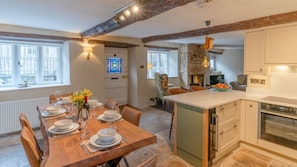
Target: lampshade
(149,66)
(205,62)
(88,49)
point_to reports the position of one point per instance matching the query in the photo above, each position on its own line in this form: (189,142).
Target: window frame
(62,77)
(169,70)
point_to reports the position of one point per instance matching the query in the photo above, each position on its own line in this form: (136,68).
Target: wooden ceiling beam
(242,25)
(148,9)
(112,44)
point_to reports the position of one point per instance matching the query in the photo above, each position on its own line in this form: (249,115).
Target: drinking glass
(58,96)
(84,123)
(69,108)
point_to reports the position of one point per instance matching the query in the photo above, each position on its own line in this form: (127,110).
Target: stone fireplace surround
(191,70)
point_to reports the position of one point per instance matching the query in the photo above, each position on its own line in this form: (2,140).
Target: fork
(84,148)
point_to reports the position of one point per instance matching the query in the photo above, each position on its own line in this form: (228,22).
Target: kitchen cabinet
(281,45)
(254,51)
(228,134)
(189,134)
(251,122)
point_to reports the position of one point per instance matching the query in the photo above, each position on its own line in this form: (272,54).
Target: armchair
(240,84)
(161,82)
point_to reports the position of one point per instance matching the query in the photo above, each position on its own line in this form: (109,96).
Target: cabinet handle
(261,69)
(251,106)
(234,126)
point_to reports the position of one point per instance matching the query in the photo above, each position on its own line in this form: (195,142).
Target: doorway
(116,75)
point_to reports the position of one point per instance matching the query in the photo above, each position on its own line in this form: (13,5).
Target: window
(114,65)
(34,63)
(212,63)
(162,61)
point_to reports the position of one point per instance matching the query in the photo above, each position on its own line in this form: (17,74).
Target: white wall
(230,63)
(281,81)
(90,74)
(83,74)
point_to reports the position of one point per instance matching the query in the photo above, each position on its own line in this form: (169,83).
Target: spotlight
(122,18)
(127,13)
(135,9)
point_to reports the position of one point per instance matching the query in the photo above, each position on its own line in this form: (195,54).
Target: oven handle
(278,114)
(216,134)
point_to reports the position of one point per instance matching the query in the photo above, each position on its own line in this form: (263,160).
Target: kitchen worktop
(207,99)
(211,98)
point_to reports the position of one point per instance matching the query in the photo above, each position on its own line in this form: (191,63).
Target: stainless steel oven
(278,124)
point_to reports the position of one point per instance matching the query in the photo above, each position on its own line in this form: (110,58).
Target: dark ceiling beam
(16,35)
(242,25)
(148,9)
(40,37)
(112,44)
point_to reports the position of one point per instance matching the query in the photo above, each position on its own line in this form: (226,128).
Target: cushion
(242,79)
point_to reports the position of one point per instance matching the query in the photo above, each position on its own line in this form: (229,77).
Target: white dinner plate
(97,105)
(94,142)
(104,118)
(72,128)
(47,114)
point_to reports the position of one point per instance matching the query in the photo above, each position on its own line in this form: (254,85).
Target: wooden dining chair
(131,114)
(151,162)
(25,123)
(52,97)
(31,148)
(111,104)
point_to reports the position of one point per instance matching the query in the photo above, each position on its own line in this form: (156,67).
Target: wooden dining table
(65,150)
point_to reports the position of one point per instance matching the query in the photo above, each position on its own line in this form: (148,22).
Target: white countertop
(211,98)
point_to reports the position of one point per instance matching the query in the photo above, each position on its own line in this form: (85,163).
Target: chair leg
(164,104)
(126,162)
(171,124)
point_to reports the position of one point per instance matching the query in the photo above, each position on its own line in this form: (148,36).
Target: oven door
(278,128)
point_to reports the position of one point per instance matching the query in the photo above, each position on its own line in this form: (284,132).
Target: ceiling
(77,16)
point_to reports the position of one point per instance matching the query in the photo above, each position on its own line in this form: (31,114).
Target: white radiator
(10,111)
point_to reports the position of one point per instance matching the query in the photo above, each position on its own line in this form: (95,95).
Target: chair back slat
(111,104)
(25,123)
(30,147)
(131,114)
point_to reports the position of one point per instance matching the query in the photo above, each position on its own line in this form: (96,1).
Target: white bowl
(110,113)
(93,102)
(52,109)
(63,124)
(106,134)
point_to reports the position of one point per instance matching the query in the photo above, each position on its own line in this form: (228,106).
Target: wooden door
(116,75)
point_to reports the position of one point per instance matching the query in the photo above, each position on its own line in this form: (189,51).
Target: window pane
(28,64)
(158,62)
(6,64)
(50,63)
(163,63)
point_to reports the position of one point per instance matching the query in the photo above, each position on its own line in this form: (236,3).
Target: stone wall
(190,64)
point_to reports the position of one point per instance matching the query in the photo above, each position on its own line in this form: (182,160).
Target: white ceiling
(79,15)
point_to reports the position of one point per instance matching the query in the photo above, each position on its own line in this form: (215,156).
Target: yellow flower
(78,96)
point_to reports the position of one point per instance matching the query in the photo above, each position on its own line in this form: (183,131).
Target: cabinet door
(228,112)
(281,45)
(251,119)
(189,134)
(254,43)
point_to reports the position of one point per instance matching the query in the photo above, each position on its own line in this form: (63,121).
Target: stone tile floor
(157,122)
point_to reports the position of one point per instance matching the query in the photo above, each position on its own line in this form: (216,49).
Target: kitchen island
(194,134)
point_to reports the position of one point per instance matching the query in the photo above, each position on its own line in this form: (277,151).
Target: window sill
(3,89)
